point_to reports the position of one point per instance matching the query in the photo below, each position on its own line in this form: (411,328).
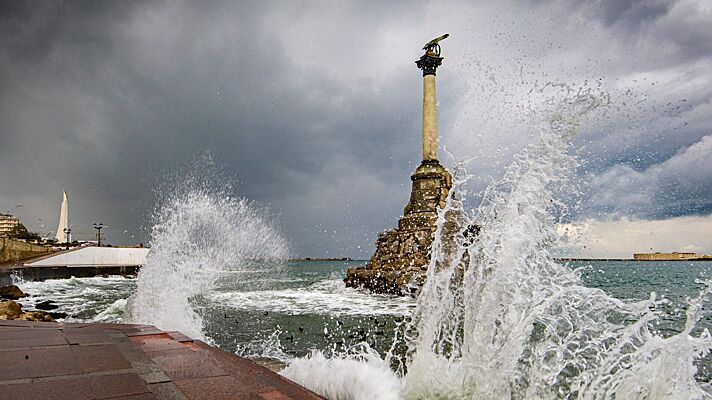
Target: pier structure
(79,262)
(674,256)
(403,253)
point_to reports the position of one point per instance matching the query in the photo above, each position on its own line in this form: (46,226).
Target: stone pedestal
(403,253)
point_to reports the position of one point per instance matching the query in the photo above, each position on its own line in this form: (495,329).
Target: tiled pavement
(48,360)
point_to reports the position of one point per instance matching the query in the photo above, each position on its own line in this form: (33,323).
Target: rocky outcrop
(46,305)
(403,254)
(11,310)
(35,316)
(11,292)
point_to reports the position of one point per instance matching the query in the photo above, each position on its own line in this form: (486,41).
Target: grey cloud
(678,186)
(632,13)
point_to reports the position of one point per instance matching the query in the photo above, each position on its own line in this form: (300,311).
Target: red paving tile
(167,391)
(179,337)
(33,324)
(67,389)
(89,361)
(215,388)
(87,338)
(274,395)
(142,332)
(31,338)
(37,363)
(27,333)
(178,352)
(100,358)
(186,364)
(104,387)
(156,343)
(143,396)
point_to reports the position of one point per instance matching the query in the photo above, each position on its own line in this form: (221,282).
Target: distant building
(8,223)
(674,256)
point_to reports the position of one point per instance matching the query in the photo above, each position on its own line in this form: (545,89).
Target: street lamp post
(98,232)
(67,231)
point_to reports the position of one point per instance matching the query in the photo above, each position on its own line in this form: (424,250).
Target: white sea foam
(113,313)
(201,233)
(361,376)
(80,298)
(328,297)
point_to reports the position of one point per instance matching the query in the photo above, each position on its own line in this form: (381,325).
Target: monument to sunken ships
(404,252)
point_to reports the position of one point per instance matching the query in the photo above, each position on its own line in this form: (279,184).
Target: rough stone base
(403,254)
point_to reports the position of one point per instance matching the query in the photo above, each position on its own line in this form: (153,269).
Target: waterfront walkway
(50,360)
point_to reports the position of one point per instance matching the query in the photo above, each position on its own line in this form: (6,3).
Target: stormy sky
(314,108)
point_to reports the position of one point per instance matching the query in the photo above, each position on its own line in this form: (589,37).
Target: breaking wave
(499,318)
(202,234)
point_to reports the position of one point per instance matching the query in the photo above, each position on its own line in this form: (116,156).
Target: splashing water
(499,318)
(362,374)
(202,235)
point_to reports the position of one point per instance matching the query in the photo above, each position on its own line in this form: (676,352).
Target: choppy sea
(305,306)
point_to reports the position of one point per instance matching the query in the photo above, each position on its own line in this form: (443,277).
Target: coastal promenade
(50,360)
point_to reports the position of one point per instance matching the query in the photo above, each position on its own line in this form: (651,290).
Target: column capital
(429,63)
(431,60)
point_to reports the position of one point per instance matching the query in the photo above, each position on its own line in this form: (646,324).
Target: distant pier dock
(81,262)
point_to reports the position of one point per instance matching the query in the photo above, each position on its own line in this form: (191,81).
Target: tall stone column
(430,119)
(429,63)
(402,254)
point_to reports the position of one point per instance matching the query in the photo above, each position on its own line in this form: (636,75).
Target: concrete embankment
(14,250)
(81,263)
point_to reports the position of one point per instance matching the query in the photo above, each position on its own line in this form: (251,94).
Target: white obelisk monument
(61,235)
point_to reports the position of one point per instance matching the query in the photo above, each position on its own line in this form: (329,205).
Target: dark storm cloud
(101,99)
(315,107)
(631,14)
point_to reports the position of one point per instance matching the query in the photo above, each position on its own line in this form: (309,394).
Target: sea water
(311,295)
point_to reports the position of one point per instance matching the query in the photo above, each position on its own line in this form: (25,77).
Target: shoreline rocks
(12,310)
(11,292)
(46,305)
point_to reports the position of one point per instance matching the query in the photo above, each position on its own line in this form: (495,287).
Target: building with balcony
(8,224)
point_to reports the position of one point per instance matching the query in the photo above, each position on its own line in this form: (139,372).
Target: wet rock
(57,315)
(46,305)
(11,292)
(10,310)
(35,316)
